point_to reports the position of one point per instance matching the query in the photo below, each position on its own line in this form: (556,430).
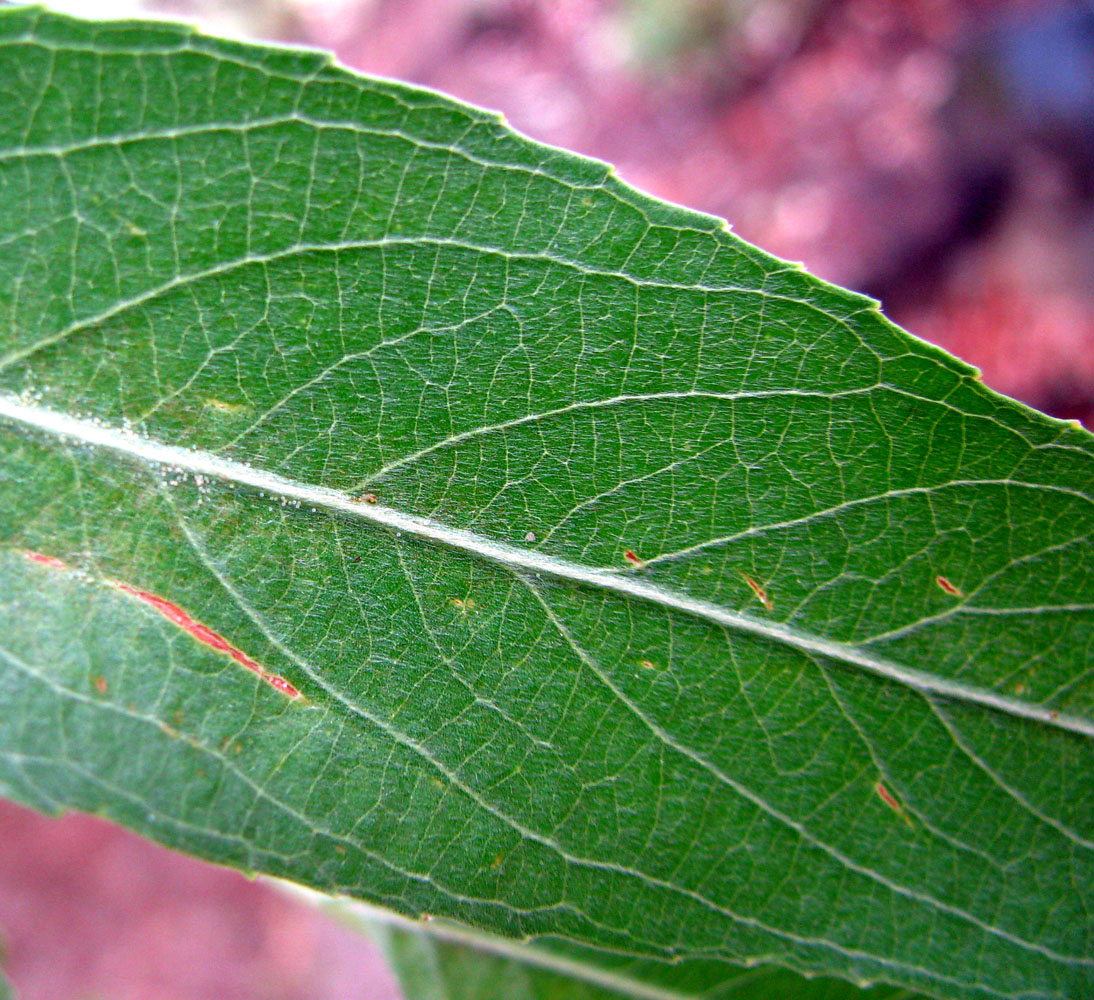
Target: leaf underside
(404,508)
(434,964)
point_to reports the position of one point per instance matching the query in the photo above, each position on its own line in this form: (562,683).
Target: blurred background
(936,154)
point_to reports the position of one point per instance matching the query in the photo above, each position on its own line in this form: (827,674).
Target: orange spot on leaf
(369,498)
(948,587)
(100,683)
(759,592)
(632,558)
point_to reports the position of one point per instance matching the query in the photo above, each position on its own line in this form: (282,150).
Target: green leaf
(429,968)
(443,960)
(641,591)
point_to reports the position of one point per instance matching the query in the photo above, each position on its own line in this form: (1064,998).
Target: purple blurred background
(937,154)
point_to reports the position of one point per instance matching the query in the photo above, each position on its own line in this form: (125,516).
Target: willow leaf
(398,506)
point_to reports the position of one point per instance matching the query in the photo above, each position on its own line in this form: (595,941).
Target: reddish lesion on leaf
(887,797)
(950,589)
(51,561)
(633,559)
(759,591)
(214,640)
(177,616)
(891,801)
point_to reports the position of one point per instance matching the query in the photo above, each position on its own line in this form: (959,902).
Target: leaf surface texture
(640,590)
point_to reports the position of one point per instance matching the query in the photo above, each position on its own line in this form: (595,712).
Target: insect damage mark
(173,613)
(214,640)
(632,558)
(891,801)
(282,685)
(52,561)
(887,797)
(759,592)
(949,587)
(224,406)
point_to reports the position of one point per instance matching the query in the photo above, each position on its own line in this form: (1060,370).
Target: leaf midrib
(630,585)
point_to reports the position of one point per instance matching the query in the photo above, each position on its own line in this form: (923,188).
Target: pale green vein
(819,515)
(599,404)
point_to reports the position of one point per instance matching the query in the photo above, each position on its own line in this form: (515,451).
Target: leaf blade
(338,345)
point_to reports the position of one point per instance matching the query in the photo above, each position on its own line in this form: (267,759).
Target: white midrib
(95,434)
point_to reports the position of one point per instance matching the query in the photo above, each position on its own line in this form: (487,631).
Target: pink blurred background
(938,154)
